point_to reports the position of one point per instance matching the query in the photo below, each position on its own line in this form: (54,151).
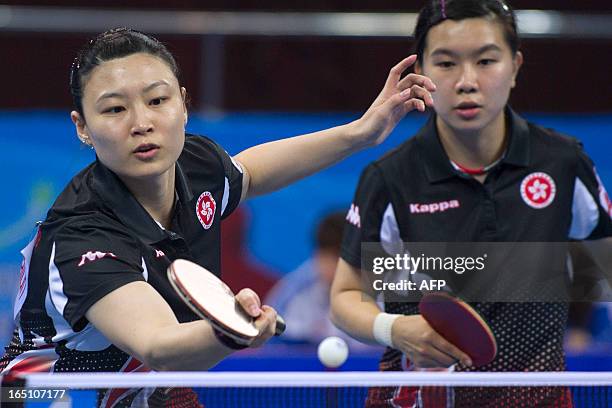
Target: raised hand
(398,97)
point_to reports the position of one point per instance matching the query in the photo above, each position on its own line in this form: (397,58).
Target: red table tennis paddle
(211,299)
(461,325)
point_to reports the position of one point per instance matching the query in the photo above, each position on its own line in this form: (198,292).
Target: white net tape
(315,379)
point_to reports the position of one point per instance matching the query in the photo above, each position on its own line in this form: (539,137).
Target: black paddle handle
(280,325)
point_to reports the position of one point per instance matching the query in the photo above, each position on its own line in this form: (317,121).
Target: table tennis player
(93,290)
(476,171)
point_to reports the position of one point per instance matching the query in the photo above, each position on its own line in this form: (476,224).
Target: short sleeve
(591,205)
(365,217)
(230,169)
(90,259)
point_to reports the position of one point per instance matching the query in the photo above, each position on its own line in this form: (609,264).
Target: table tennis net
(332,389)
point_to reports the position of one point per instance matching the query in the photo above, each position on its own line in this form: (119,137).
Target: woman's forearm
(354,315)
(274,165)
(187,346)
(353,308)
(151,333)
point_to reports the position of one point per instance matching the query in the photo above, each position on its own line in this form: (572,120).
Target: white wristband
(382,328)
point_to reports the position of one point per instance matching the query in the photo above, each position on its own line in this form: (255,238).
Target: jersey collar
(518,148)
(437,164)
(120,201)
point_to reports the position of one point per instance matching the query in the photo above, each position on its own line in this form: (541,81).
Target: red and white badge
(205,209)
(538,190)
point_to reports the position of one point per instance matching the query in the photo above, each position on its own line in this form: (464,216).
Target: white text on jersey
(431,208)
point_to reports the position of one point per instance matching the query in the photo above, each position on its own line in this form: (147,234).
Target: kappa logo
(353,216)
(538,190)
(205,209)
(159,253)
(430,208)
(91,256)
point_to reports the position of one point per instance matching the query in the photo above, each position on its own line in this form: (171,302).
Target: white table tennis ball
(332,352)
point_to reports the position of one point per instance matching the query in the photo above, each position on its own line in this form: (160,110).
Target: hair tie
(443,2)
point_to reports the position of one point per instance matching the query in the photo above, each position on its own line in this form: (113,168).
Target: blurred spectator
(240,268)
(302,296)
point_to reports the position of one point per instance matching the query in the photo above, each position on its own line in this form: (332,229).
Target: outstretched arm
(136,319)
(271,166)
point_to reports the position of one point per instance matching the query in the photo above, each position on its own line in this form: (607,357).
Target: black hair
(329,232)
(437,11)
(112,44)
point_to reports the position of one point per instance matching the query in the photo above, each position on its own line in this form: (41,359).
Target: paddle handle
(280,325)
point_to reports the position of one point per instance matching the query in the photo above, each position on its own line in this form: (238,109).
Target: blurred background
(258,71)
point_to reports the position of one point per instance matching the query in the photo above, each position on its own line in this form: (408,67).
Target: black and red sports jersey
(544,189)
(96,238)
